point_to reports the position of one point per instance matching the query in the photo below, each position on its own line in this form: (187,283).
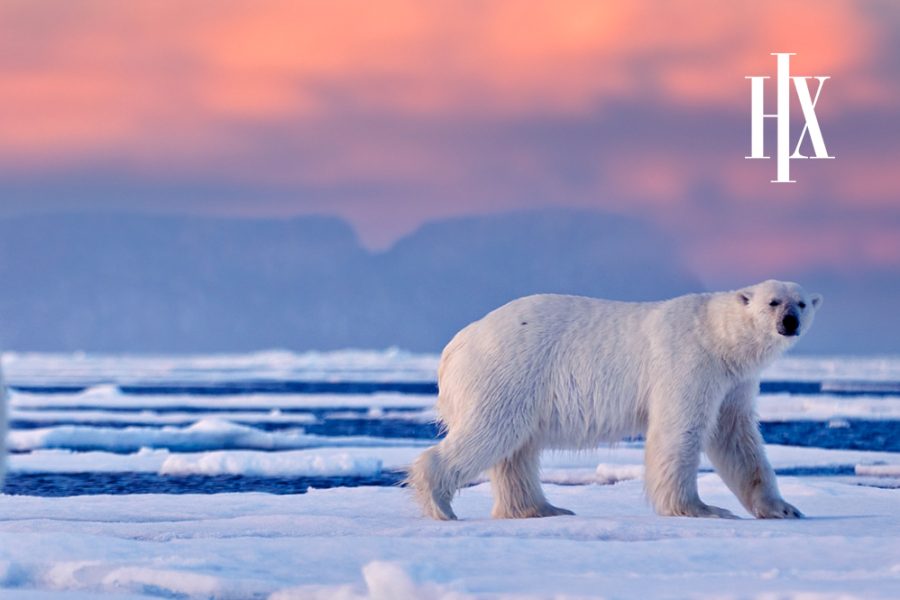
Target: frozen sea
(274,475)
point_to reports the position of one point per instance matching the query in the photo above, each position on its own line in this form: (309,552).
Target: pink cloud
(421,107)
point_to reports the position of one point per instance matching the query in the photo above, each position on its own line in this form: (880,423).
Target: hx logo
(782,116)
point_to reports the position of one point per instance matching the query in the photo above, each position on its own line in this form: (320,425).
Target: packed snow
(372,543)
(110,397)
(558,467)
(151,417)
(350,365)
(355,543)
(879,470)
(346,365)
(206,434)
(256,463)
(771,407)
(836,369)
(825,407)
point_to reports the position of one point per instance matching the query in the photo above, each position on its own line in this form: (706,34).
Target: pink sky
(392,113)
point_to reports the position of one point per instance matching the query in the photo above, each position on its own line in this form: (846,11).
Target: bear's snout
(789,324)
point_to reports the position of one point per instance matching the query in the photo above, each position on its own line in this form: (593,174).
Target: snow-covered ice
(796,407)
(345,365)
(879,470)
(836,368)
(110,397)
(370,542)
(205,434)
(350,365)
(595,466)
(257,463)
(772,407)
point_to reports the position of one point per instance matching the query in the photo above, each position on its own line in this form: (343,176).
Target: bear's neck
(741,348)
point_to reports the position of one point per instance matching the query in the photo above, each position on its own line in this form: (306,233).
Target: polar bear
(569,372)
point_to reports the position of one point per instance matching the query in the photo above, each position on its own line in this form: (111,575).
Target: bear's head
(782,309)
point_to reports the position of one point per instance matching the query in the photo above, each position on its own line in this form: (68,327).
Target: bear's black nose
(789,325)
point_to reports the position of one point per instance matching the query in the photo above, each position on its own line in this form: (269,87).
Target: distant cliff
(180,284)
(129,283)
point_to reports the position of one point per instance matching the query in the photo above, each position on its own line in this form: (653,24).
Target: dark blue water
(265,386)
(318,412)
(124,483)
(338,427)
(855,434)
(89,484)
(250,386)
(852,434)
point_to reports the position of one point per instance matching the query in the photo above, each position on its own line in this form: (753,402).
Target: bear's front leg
(737,451)
(672,457)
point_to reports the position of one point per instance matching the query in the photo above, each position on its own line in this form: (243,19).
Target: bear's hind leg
(517,487)
(433,484)
(442,470)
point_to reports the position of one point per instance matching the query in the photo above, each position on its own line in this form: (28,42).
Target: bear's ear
(816,300)
(744,296)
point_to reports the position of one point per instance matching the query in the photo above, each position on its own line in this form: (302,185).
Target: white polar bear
(552,371)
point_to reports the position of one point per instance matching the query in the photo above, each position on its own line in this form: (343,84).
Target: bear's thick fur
(552,371)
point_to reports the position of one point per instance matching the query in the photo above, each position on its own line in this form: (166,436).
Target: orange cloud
(92,76)
(436,99)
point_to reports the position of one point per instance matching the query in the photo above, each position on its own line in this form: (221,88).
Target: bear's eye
(774,302)
(801,304)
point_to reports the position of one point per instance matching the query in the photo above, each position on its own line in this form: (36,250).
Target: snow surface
(771,407)
(825,407)
(371,542)
(206,434)
(257,463)
(835,368)
(349,365)
(559,467)
(879,470)
(109,396)
(148,416)
(345,365)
